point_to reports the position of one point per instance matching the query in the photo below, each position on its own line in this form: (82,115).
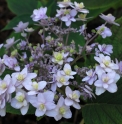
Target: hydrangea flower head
(61,110)
(43,102)
(11,62)
(21,101)
(34,87)
(79,7)
(106,49)
(58,57)
(68,18)
(67,71)
(65,3)
(21,78)
(107,82)
(61,79)
(91,77)
(104,31)
(39,14)
(72,98)
(106,63)
(109,18)
(21,26)
(10,42)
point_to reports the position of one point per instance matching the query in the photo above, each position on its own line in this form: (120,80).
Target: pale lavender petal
(49,96)
(68,101)
(41,85)
(58,117)
(32,92)
(41,98)
(39,113)
(98,83)
(3,112)
(112,88)
(51,113)
(99,90)
(76,105)
(24,110)
(68,91)
(50,105)
(68,114)
(60,102)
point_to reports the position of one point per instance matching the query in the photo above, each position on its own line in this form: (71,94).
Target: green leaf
(115,40)
(52,6)
(78,39)
(17,19)
(96,4)
(102,114)
(20,7)
(39,4)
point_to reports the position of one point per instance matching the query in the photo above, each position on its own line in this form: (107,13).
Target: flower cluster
(46,74)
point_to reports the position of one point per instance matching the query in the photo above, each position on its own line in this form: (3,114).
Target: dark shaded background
(5,17)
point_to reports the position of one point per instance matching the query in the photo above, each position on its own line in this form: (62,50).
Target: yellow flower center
(62,80)
(74,96)
(3,85)
(82,16)
(58,57)
(62,110)
(106,63)
(106,79)
(20,77)
(81,5)
(20,98)
(35,85)
(67,72)
(66,12)
(109,15)
(42,106)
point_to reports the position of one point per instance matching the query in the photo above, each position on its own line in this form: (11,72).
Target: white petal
(68,91)
(15,104)
(41,98)
(73,12)
(98,83)
(41,85)
(68,114)
(60,102)
(39,113)
(3,112)
(99,90)
(51,113)
(49,96)
(68,23)
(24,110)
(112,88)
(68,102)
(76,105)
(67,66)
(11,89)
(32,92)
(50,105)
(58,117)
(105,85)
